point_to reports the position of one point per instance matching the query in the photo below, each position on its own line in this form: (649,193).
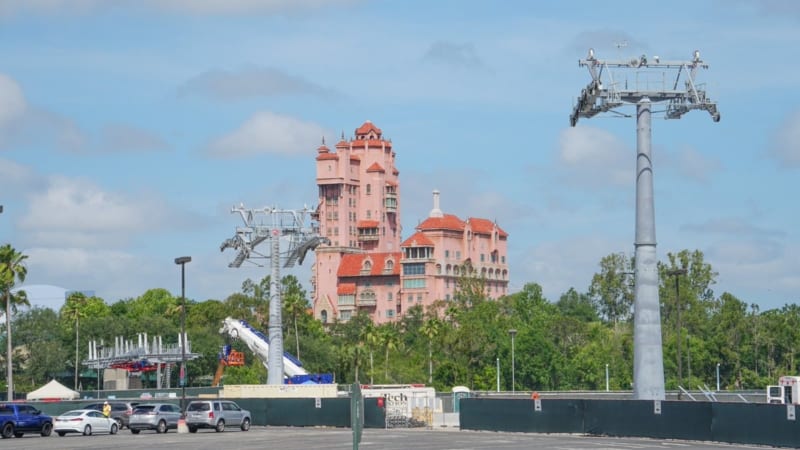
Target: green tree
(431,329)
(12,269)
(73,310)
(610,290)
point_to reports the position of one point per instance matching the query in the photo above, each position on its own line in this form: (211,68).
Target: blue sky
(128,129)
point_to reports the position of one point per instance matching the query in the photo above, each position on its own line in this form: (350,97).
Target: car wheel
(47,429)
(135,431)
(7,431)
(18,434)
(114,428)
(246,424)
(192,429)
(119,423)
(220,426)
(62,433)
(161,427)
(87,431)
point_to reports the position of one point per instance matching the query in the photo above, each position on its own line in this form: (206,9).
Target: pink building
(365,267)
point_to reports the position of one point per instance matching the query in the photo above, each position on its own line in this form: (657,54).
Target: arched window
(324,316)
(367,266)
(389,265)
(369,189)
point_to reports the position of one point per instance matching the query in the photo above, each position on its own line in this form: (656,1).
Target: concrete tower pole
(648,363)
(275,360)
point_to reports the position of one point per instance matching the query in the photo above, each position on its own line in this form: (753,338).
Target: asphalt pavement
(280,438)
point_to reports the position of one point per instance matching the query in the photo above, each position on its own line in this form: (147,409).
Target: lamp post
(606,377)
(99,352)
(182,262)
(676,273)
(513,333)
(498,374)
(717,377)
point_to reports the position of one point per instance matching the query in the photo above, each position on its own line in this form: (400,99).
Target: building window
(482,257)
(369,189)
(324,316)
(503,259)
(410,298)
(389,313)
(419,298)
(447,297)
(414,269)
(389,296)
(438,269)
(413,283)
(458,255)
(389,267)
(347,300)
(345,315)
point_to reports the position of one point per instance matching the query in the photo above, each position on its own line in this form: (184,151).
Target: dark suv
(17,419)
(120,411)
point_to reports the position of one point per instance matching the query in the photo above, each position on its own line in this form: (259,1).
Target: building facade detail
(366,267)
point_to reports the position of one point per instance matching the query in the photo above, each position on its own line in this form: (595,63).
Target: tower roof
(375,167)
(353,263)
(367,127)
(446,222)
(484,226)
(417,240)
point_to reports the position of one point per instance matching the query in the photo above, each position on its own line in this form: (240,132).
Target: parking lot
(280,438)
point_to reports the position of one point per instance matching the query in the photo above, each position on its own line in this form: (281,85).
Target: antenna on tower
(649,86)
(288,225)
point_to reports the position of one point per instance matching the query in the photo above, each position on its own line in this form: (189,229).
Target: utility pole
(600,97)
(282,224)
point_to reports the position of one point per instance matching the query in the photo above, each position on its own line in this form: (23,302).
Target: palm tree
(390,339)
(74,309)
(371,337)
(430,329)
(12,269)
(294,304)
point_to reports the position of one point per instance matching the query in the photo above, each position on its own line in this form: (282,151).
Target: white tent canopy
(53,391)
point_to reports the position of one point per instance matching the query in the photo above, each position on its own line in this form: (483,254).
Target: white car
(86,421)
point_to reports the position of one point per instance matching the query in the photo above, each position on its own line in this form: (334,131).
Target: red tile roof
(447,222)
(323,149)
(327,156)
(355,159)
(375,167)
(366,127)
(417,240)
(342,144)
(484,226)
(352,263)
(367,224)
(346,289)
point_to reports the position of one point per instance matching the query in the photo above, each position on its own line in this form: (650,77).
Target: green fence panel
(519,415)
(677,420)
(755,423)
(374,415)
(303,412)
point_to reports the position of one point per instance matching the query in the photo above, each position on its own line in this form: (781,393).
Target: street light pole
(498,374)
(606,377)
(676,273)
(513,333)
(717,377)
(182,262)
(99,352)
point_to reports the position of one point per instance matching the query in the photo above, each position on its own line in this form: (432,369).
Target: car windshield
(72,413)
(143,409)
(199,407)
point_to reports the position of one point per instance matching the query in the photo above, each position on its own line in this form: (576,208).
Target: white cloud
(77,213)
(251,82)
(15,176)
(731,226)
(267,132)
(695,166)
(786,142)
(123,138)
(12,101)
(595,157)
(453,54)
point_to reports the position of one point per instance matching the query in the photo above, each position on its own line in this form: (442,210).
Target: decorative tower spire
(436,212)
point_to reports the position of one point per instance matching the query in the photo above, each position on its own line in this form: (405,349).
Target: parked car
(154,416)
(120,411)
(216,414)
(16,419)
(86,421)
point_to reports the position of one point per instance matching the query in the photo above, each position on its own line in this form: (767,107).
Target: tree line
(569,343)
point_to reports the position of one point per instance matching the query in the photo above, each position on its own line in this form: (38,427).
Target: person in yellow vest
(106,409)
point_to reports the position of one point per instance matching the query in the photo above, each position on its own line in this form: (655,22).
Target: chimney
(436,212)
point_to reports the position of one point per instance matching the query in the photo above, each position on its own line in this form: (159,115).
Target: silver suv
(216,414)
(154,416)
